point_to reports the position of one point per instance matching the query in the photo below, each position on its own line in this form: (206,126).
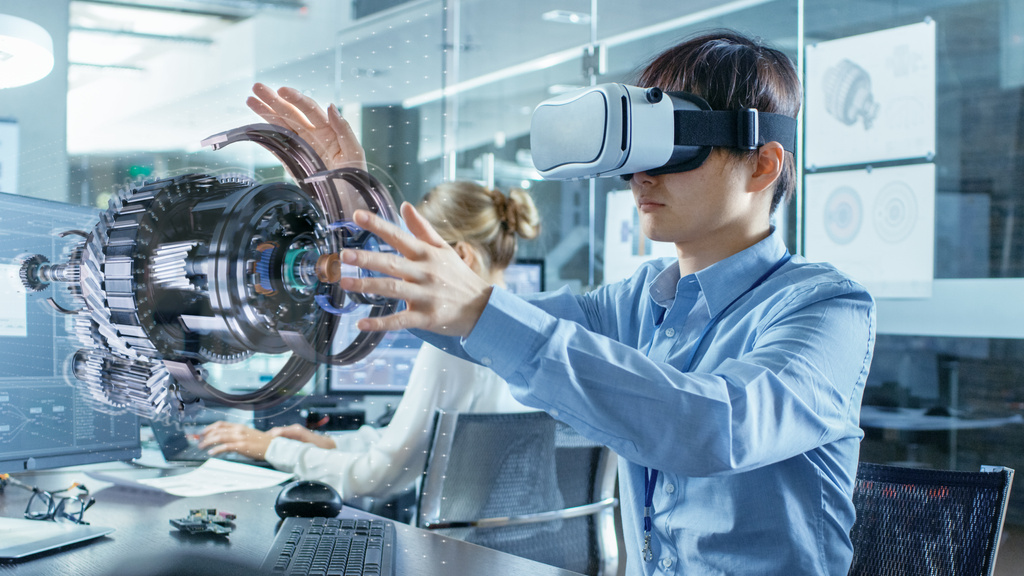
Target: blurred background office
(444,89)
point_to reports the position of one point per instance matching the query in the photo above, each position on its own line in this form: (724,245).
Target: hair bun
(506,210)
(523,217)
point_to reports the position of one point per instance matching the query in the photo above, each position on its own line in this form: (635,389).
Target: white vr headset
(618,130)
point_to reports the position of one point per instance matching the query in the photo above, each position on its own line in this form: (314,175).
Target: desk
(143,528)
(917,420)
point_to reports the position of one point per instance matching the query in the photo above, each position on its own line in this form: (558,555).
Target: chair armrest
(563,514)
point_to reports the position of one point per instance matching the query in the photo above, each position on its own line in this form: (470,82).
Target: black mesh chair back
(927,522)
(523,484)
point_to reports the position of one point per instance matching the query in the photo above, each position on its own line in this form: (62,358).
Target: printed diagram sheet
(877,225)
(871,97)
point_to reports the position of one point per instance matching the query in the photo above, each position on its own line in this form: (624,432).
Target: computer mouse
(308,498)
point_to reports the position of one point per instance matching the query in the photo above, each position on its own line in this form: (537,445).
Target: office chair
(928,522)
(524,484)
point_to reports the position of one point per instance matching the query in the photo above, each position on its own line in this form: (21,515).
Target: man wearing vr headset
(728,380)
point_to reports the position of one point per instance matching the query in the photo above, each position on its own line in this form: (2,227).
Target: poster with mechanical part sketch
(876,225)
(871,98)
(625,246)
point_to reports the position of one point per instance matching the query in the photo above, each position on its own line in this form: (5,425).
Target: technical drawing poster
(625,246)
(878,226)
(871,98)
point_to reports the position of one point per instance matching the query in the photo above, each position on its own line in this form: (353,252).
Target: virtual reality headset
(616,129)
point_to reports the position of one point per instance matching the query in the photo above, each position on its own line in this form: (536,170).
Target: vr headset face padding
(683,157)
(616,129)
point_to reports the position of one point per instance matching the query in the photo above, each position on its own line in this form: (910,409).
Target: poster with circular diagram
(871,97)
(877,225)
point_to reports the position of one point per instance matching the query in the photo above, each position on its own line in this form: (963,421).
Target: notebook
(20,538)
(177,446)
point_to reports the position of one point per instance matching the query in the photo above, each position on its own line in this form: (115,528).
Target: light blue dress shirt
(757,445)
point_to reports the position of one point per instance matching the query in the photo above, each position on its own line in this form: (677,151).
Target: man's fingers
(260,108)
(345,143)
(398,321)
(263,92)
(419,226)
(296,118)
(304,104)
(272,116)
(409,245)
(397,288)
(343,130)
(391,234)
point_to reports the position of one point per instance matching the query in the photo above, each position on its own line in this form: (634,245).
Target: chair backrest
(928,522)
(524,484)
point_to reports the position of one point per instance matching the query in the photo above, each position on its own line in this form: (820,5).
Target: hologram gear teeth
(183,271)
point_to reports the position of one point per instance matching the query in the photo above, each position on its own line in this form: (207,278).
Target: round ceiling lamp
(26,51)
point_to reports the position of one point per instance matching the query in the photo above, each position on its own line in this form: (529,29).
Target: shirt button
(666,562)
(670,332)
(670,488)
(485,361)
(553,412)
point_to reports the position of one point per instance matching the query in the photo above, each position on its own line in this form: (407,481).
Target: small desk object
(144,535)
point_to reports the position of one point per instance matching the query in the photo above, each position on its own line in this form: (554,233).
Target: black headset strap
(744,129)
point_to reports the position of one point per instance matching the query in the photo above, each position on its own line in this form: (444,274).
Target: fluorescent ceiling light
(26,51)
(566,17)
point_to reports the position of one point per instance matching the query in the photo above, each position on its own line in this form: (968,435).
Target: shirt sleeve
(790,388)
(380,462)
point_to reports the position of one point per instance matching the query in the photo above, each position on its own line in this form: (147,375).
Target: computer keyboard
(332,546)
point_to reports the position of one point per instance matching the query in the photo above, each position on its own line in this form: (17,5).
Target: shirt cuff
(508,333)
(283,453)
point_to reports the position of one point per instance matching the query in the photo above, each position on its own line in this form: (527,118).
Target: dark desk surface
(143,531)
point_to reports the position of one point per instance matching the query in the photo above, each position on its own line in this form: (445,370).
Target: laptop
(20,538)
(178,446)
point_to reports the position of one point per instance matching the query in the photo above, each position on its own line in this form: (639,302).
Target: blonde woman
(483,226)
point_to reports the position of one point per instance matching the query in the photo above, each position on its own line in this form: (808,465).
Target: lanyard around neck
(651,475)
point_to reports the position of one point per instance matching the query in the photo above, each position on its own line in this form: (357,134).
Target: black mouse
(308,498)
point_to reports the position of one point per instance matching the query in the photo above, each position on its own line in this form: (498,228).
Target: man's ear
(767,167)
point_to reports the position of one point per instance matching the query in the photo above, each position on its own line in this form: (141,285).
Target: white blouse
(381,462)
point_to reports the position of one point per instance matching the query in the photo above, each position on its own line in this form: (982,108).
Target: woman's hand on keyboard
(221,437)
(302,434)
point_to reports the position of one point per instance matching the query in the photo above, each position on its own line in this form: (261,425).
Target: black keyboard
(332,546)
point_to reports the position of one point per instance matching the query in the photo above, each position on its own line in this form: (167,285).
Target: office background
(442,89)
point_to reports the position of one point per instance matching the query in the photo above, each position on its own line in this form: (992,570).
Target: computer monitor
(387,369)
(46,418)
(525,276)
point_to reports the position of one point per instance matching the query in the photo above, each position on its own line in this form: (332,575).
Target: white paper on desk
(216,476)
(213,477)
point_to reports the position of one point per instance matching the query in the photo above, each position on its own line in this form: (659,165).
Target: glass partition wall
(919,102)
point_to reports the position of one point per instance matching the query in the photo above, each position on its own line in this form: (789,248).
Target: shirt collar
(724,280)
